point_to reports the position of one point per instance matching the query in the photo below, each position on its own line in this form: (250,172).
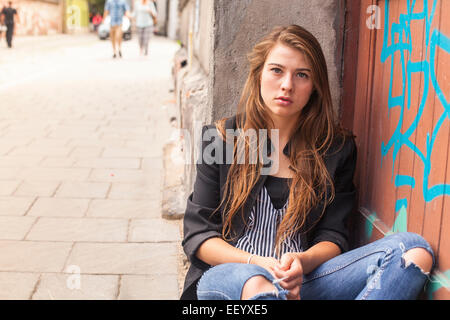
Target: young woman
(145,15)
(276,228)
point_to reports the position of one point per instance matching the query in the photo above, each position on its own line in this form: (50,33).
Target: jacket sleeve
(200,223)
(333,225)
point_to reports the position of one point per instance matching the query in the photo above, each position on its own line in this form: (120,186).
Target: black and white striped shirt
(260,232)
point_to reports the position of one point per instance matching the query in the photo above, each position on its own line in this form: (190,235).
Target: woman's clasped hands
(288,272)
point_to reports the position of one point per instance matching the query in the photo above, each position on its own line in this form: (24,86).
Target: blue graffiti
(401,180)
(427,67)
(403,45)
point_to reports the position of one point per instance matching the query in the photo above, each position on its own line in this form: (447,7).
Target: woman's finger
(294,294)
(289,284)
(286,261)
(280,274)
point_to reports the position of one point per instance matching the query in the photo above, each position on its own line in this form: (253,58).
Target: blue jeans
(376,271)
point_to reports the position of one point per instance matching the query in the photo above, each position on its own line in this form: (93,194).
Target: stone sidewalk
(81,169)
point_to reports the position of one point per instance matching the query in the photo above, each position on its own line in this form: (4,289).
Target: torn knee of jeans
(407,263)
(277,293)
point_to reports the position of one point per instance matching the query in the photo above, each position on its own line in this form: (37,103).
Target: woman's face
(286,83)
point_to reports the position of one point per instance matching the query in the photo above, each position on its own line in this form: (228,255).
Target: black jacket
(200,224)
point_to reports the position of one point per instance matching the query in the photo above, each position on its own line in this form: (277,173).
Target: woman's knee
(255,285)
(420,257)
(230,279)
(414,248)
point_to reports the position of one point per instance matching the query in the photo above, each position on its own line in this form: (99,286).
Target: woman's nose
(286,83)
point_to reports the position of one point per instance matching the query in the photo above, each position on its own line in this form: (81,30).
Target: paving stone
(119,175)
(40,151)
(124,208)
(12,206)
(115,152)
(153,230)
(135,190)
(17,286)
(139,144)
(49,143)
(72,133)
(55,174)
(161,287)
(79,229)
(83,190)
(125,258)
(7,187)
(4,150)
(72,286)
(30,256)
(125,131)
(58,162)
(100,142)
(19,161)
(15,228)
(59,207)
(9,174)
(83,152)
(109,163)
(37,188)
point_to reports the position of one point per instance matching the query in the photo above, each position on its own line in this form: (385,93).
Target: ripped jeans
(376,271)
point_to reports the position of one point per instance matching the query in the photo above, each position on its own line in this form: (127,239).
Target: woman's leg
(140,32)
(382,270)
(146,39)
(227,281)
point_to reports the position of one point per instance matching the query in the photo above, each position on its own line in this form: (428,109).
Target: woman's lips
(283,101)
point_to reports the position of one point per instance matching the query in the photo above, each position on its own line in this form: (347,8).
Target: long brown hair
(315,133)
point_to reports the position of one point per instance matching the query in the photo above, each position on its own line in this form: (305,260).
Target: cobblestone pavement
(81,145)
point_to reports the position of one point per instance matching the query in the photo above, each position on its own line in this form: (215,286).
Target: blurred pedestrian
(116,9)
(96,20)
(8,17)
(2,26)
(146,18)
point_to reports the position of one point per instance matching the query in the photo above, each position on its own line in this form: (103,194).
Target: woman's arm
(332,226)
(202,223)
(216,251)
(318,254)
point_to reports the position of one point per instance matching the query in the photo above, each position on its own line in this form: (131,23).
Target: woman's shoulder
(342,145)
(220,126)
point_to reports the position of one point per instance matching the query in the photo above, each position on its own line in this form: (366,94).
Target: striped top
(260,232)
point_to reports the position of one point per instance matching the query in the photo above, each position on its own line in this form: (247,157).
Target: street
(81,169)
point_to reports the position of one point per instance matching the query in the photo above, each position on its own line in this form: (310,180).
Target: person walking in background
(96,21)
(2,26)
(116,9)
(145,15)
(9,16)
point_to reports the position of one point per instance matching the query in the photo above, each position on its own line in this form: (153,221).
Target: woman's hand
(290,266)
(267,263)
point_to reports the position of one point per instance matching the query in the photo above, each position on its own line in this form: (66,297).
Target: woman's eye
(302,75)
(276,70)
